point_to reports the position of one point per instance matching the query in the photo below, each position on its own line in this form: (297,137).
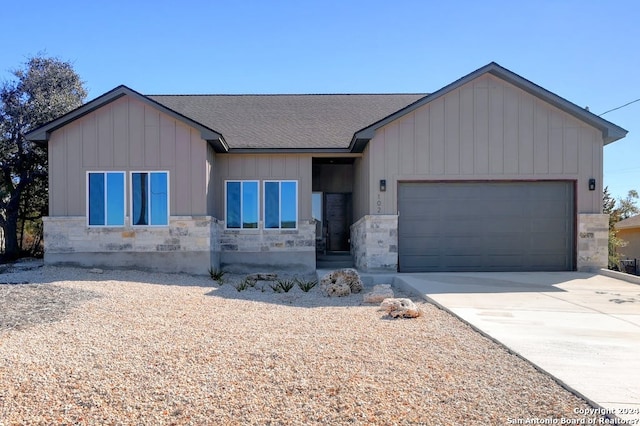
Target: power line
(622,106)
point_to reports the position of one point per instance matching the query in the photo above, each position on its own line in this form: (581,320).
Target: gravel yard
(127,347)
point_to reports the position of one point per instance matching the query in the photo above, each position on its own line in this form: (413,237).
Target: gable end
(43,133)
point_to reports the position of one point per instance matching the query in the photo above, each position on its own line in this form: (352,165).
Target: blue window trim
(106,194)
(226,204)
(149,195)
(264,205)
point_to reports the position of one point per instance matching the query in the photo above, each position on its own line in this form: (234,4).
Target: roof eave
(289,151)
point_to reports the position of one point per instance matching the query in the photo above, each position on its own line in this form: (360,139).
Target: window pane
(289,204)
(233,204)
(316,206)
(115,198)
(159,199)
(139,198)
(96,199)
(271,205)
(250,204)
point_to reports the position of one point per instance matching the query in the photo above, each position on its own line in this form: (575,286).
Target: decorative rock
(254,279)
(262,276)
(341,282)
(400,308)
(378,294)
(96,271)
(338,289)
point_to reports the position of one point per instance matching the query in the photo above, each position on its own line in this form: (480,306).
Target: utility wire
(622,106)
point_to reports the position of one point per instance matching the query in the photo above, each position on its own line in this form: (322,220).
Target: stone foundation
(249,250)
(374,243)
(183,246)
(593,242)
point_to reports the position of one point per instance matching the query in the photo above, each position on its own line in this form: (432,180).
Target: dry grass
(135,348)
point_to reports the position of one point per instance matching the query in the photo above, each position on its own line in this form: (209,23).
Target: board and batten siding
(262,167)
(361,192)
(486,129)
(127,135)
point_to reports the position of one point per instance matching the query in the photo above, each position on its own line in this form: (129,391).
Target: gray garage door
(486,226)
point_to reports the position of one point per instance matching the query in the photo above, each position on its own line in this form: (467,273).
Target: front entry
(337,218)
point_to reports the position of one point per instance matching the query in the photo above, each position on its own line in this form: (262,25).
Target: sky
(586,51)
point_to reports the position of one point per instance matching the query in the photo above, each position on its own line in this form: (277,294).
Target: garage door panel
(423,246)
(503,245)
(505,261)
(418,263)
(465,246)
(548,242)
(546,260)
(501,225)
(486,226)
(549,224)
(456,226)
(463,262)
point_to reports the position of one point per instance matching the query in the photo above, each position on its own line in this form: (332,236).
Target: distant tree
(43,90)
(626,208)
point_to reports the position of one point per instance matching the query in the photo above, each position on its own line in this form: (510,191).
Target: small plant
(242,285)
(217,275)
(286,285)
(306,285)
(275,286)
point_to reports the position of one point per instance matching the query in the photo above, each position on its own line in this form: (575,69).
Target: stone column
(593,242)
(374,243)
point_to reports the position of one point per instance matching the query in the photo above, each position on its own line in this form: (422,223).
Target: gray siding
(361,185)
(127,135)
(264,167)
(211,181)
(484,130)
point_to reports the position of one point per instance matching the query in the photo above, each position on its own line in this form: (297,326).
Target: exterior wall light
(592,184)
(383,185)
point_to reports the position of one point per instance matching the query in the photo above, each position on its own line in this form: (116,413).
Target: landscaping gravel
(126,347)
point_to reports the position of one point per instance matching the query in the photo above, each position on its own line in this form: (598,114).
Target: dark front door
(337,214)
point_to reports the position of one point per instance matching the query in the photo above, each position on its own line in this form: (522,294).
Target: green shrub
(286,285)
(306,285)
(242,285)
(275,286)
(217,275)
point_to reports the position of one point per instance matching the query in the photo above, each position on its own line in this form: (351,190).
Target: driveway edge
(402,285)
(633,279)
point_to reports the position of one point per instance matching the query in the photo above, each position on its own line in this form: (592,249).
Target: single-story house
(490,173)
(628,230)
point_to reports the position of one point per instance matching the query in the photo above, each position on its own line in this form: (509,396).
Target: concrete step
(334,261)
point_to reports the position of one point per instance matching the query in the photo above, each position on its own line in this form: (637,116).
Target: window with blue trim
(149,198)
(241,204)
(281,204)
(105,201)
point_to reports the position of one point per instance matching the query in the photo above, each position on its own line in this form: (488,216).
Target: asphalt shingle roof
(287,121)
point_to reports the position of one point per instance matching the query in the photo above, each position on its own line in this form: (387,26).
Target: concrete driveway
(583,329)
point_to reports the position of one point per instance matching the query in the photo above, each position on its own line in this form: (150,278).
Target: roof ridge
(290,94)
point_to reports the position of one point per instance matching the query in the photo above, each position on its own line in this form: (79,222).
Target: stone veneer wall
(374,243)
(593,242)
(183,246)
(282,249)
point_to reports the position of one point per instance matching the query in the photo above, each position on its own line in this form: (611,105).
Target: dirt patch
(28,304)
